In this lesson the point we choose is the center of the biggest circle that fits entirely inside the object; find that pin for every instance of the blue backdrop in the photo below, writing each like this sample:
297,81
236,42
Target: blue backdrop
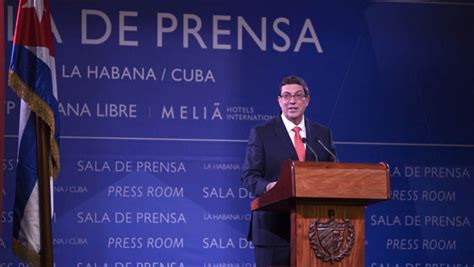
157,100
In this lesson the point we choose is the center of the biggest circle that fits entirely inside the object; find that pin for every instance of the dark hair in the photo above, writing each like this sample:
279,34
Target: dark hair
293,79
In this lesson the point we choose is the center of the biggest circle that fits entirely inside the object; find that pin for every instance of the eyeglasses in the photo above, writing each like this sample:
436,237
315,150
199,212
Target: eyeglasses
298,96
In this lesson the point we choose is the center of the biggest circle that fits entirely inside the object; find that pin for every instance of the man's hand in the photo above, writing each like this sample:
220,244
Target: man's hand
270,186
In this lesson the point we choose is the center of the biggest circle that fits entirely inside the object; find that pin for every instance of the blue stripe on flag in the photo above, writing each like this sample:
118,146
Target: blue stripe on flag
37,75
26,175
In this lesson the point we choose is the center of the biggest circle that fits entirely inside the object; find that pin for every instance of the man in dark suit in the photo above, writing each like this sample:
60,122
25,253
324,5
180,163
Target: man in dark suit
269,145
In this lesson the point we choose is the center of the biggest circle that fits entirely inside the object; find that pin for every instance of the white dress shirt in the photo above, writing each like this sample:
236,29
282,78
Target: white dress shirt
289,128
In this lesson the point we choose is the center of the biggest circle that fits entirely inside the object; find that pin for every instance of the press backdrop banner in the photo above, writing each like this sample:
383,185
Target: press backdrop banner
158,97
2,97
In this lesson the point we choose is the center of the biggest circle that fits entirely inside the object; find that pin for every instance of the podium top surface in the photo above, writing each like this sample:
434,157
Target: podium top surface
328,182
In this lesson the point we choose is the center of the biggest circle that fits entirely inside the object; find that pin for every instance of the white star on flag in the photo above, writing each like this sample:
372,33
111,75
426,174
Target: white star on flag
38,5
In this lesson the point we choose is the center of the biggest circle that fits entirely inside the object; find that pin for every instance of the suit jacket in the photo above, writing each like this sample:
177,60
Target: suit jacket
268,146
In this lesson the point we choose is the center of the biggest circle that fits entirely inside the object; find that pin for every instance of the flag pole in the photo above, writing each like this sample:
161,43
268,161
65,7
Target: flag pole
44,192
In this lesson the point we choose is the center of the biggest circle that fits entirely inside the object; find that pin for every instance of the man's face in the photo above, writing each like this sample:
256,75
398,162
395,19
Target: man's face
293,102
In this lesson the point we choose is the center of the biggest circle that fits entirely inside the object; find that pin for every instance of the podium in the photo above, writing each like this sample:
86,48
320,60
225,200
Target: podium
327,203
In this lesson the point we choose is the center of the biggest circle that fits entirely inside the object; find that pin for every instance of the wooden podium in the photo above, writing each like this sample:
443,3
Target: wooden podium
326,201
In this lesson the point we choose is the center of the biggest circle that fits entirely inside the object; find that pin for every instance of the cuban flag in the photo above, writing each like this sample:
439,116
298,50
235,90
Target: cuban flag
32,76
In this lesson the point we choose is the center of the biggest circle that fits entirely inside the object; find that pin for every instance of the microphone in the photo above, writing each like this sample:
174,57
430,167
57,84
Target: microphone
310,148
327,149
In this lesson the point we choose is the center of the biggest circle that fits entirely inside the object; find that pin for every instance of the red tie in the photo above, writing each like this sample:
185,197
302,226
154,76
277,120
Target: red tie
299,146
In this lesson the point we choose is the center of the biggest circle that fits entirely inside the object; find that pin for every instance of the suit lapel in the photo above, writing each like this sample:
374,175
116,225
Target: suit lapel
311,138
285,140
